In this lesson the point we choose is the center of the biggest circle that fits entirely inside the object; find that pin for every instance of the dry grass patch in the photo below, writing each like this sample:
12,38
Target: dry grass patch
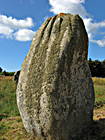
99,87
12,129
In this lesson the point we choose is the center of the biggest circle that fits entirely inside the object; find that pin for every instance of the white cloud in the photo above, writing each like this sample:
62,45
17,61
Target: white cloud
77,7
77,1
93,27
24,35
5,30
99,42
68,6
15,23
16,28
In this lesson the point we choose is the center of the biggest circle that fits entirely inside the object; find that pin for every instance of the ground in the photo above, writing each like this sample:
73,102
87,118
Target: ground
11,127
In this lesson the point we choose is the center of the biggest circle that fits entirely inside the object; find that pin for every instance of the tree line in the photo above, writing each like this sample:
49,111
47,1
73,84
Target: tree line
5,73
97,69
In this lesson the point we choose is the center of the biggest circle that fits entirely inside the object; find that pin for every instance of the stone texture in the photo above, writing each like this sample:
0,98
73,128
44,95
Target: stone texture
55,94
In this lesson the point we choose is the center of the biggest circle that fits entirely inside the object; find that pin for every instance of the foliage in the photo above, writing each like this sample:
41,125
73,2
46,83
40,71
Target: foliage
97,68
0,69
10,73
7,73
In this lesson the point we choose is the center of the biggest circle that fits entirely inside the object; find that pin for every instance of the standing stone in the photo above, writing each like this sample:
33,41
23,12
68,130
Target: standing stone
55,94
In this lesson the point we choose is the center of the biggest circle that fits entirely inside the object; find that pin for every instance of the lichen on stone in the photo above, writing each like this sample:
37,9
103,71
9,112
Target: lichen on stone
55,94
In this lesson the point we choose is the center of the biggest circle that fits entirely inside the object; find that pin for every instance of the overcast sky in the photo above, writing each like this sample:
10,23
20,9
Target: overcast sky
20,19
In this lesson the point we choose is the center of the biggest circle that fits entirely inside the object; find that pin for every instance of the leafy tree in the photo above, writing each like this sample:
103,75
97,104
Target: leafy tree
97,68
1,69
4,73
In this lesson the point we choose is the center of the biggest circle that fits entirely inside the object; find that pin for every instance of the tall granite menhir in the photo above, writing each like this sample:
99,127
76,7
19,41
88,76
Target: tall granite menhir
55,94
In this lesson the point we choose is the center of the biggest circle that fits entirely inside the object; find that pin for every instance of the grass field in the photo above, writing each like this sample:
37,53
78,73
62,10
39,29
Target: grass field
8,105
99,87
11,127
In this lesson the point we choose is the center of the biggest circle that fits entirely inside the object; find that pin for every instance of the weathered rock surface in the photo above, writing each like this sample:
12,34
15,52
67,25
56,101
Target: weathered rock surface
55,92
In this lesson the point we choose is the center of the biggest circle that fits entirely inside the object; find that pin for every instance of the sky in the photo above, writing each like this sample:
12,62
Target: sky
20,19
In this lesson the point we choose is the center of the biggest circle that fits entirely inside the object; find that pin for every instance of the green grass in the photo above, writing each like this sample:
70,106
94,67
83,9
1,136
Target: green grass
11,127
99,87
8,104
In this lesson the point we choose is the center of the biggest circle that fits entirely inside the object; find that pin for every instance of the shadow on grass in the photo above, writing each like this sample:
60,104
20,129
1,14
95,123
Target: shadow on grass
96,131
12,129
99,129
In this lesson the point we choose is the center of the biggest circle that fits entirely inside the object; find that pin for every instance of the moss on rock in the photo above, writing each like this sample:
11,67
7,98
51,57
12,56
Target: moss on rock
55,92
